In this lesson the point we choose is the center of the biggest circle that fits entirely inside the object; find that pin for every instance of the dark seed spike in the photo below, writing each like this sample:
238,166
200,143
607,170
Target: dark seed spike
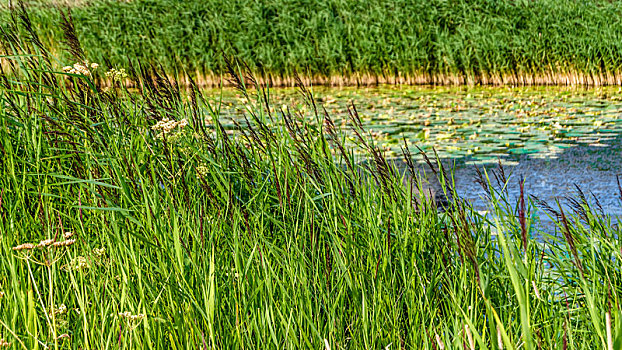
354,117
70,36
33,36
331,130
290,125
501,171
253,133
443,171
570,239
277,184
408,158
578,208
234,77
249,76
598,205
498,179
545,206
265,93
307,95
427,160
482,181
357,126
522,214
582,196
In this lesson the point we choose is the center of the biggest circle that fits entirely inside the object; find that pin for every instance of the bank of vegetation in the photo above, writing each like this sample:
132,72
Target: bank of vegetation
355,42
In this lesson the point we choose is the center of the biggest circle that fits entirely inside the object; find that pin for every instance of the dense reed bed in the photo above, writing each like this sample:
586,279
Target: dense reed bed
135,220
356,42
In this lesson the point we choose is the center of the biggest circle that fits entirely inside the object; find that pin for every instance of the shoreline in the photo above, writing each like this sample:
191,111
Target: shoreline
367,80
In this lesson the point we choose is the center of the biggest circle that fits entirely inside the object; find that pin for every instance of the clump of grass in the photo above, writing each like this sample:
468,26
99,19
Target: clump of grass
272,234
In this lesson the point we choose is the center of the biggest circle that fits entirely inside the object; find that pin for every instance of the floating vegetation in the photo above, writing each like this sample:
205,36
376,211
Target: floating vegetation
481,123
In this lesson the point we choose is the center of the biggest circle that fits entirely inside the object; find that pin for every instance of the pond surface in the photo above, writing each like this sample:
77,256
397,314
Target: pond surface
554,137
481,122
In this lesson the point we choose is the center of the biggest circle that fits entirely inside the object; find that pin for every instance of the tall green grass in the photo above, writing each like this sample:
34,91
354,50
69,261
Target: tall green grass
273,235
544,41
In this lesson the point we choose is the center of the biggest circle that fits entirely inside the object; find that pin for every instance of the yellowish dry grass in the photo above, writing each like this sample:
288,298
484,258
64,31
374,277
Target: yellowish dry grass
365,79
562,79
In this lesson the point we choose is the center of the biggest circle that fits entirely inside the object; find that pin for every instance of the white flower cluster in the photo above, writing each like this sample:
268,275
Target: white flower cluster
128,315
78,263
167,126
99,251
83,68
58,310
116,74
202,171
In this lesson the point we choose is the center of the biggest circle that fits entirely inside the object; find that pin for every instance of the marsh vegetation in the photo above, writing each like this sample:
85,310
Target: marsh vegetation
135,219
343,42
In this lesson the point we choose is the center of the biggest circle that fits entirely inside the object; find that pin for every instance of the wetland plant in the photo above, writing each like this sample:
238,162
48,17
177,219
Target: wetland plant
139,219
334,42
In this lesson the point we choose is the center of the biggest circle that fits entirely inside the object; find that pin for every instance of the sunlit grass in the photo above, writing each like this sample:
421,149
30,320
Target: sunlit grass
152,226
350,42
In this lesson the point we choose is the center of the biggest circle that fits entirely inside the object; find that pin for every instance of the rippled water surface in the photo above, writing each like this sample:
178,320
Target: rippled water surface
556,137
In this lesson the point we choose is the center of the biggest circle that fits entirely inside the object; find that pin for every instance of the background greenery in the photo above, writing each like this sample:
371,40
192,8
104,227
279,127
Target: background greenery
475,38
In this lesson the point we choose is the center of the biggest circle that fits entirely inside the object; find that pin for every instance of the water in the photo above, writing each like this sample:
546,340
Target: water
554,137
589,168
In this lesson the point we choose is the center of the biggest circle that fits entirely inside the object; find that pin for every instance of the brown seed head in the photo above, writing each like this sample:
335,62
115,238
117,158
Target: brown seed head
25,246
65,243
45,243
